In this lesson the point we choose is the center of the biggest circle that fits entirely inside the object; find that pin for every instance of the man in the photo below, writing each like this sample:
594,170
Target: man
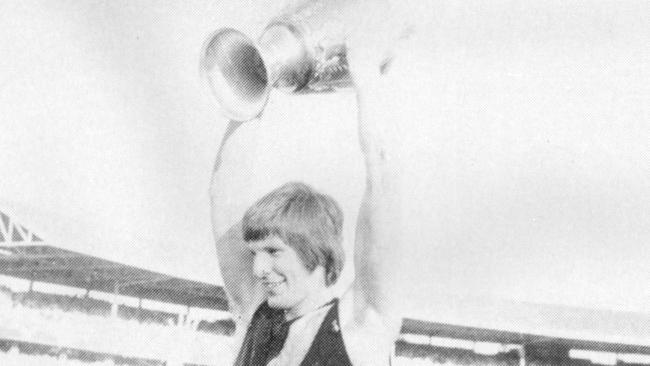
280,260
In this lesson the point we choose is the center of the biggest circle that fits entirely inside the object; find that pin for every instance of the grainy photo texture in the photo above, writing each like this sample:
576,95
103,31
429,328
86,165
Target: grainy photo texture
324,182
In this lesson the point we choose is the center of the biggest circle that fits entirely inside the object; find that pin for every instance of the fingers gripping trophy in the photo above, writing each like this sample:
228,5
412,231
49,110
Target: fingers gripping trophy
281,256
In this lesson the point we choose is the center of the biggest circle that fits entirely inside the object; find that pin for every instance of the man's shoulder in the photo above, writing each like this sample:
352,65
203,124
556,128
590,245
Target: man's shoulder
368,336
366,346
355,314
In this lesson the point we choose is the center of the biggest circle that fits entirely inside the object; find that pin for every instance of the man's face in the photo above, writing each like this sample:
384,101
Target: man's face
287,282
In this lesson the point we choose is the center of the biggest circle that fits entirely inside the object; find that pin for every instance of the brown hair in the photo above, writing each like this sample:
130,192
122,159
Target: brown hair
308,221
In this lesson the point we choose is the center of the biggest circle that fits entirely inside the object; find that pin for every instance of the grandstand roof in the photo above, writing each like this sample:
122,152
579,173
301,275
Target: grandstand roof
55,265
540,338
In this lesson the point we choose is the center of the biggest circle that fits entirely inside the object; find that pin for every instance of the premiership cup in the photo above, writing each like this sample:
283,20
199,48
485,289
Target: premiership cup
301,50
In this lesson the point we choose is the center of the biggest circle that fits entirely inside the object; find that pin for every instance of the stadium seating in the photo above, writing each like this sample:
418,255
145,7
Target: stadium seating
61,325
81,323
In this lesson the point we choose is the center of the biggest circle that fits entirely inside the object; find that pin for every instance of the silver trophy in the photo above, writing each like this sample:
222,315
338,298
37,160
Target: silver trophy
302,50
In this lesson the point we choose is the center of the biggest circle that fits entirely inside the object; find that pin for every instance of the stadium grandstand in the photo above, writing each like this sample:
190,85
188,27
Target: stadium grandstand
60,308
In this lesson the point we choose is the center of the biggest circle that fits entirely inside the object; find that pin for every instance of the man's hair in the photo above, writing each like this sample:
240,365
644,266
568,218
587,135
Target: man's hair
308,221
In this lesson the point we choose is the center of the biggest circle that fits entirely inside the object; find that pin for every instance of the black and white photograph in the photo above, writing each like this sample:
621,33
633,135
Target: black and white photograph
324,183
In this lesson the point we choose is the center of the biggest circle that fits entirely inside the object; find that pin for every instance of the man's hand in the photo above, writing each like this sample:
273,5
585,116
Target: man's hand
372,39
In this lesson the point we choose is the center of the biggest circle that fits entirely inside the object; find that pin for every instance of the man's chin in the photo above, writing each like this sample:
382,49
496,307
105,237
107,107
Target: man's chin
277,303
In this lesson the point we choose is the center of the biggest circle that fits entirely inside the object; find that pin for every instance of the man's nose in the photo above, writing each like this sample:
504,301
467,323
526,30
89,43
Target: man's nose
261,265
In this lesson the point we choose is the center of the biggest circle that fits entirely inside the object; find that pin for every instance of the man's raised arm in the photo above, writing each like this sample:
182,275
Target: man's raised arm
230,178
379,244
378,238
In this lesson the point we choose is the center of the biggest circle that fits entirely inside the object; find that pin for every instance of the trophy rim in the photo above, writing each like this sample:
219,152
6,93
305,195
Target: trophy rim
237,101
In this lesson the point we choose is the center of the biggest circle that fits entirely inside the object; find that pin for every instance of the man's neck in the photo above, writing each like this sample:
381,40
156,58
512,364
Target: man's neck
309,304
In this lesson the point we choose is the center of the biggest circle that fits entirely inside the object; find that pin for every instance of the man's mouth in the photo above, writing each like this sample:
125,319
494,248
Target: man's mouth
272,285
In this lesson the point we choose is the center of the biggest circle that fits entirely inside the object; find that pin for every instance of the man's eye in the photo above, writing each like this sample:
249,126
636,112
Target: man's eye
272,251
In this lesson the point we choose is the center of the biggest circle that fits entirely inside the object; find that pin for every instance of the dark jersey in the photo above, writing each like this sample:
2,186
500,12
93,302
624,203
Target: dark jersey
267,332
